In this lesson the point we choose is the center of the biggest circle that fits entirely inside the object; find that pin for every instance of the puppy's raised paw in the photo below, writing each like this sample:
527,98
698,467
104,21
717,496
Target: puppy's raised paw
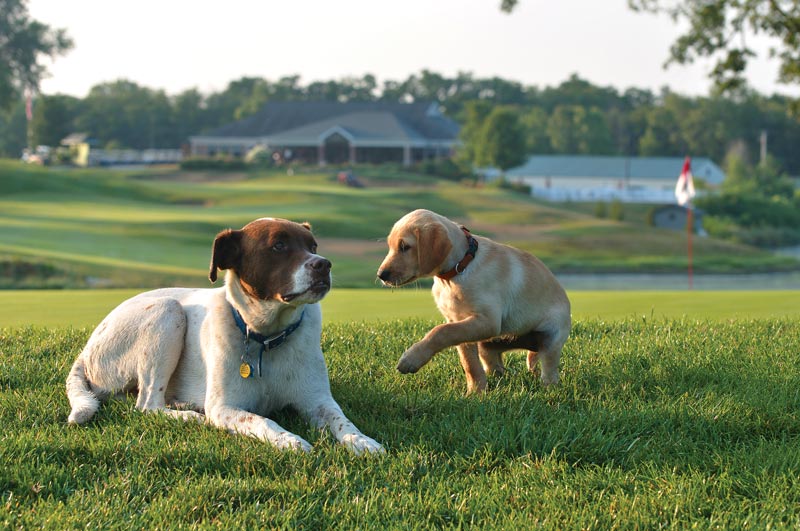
413,359
406,366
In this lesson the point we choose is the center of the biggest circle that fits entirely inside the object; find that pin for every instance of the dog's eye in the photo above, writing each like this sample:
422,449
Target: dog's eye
403,247
278,246
314,249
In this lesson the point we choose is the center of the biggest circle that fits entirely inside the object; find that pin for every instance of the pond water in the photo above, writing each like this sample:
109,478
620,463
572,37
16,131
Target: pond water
755,281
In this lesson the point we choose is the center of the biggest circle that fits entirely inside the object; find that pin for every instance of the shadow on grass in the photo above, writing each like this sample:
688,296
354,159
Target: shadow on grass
673,395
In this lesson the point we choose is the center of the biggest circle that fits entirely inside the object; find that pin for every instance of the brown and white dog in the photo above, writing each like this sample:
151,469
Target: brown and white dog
228,355
494,297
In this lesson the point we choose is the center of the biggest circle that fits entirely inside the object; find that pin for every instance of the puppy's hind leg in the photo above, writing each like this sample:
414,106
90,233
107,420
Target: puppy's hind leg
533,361
548,356
491,355
473,369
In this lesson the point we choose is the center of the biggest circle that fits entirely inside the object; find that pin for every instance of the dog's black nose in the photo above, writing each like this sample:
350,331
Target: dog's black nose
320,264
384,274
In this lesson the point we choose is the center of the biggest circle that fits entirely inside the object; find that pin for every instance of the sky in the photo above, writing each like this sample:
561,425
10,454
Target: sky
175,45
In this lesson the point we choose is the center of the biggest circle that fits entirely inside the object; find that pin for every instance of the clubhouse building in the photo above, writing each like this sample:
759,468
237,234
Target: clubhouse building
337,133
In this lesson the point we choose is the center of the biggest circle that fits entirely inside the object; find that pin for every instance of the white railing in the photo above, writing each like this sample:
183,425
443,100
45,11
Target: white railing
585,195
107,157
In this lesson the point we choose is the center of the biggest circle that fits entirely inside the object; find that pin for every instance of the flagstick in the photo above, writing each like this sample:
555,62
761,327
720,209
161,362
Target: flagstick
689,224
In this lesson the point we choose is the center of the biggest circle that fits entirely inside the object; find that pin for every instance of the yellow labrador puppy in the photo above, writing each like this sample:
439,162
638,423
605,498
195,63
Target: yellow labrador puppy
495,298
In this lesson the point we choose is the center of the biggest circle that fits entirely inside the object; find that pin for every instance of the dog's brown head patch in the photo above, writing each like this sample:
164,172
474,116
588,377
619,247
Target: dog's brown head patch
273,259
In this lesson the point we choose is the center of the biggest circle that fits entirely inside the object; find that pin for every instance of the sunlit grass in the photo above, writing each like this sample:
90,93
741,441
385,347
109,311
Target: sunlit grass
81,308
658,423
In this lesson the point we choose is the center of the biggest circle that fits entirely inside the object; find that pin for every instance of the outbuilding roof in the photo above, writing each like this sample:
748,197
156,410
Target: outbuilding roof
616,167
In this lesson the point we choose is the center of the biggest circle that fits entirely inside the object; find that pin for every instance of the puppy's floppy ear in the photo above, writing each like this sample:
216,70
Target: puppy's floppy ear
306,224
226,252
433,246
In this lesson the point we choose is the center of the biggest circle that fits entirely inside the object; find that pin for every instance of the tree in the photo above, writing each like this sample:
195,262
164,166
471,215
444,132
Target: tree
574,129
347,89
475,113
718,29
508,5
492,136
124,114
502,140
188,114
561,128
577,91
664,131
594,134
663,134
260,92
13,131
534,122
221,107
22,42
766,179
54,119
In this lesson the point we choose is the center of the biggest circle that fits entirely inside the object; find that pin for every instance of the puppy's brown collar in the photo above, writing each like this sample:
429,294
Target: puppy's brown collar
462,265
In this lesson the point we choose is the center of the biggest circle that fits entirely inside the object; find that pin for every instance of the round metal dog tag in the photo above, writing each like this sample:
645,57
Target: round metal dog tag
245,371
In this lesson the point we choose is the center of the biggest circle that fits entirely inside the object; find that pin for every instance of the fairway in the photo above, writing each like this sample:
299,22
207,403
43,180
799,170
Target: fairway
70,228
86,308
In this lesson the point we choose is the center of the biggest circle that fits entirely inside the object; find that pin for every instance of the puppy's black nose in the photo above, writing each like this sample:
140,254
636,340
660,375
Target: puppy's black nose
320,264
384,274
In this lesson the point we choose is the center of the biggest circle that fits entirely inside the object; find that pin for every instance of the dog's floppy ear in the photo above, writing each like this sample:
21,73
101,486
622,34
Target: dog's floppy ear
226,252
433,246
306,224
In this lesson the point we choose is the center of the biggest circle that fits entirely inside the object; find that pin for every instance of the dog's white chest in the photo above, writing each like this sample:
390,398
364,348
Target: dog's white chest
451,300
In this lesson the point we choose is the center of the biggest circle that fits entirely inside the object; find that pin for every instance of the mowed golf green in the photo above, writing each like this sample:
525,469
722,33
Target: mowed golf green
86,308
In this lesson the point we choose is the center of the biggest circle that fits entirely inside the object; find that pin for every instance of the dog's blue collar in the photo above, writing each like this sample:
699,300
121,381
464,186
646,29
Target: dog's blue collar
267,343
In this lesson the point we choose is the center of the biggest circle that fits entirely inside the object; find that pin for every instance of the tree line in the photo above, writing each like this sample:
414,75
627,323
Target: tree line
575,117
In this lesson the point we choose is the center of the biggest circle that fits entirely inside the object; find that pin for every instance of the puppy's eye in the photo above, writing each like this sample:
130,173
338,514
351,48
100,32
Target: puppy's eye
279,246
403,247
314,249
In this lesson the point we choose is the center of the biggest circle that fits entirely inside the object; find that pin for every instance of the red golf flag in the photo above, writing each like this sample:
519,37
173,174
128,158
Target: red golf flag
684,189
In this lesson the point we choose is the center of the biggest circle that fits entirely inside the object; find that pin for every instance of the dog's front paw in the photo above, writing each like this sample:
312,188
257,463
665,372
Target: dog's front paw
290,441
406,366
412,360
360,444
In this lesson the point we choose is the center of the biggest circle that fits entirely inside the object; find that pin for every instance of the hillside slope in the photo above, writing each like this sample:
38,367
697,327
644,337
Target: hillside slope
72,228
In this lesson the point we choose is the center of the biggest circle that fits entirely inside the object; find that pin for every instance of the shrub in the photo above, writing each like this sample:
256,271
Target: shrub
724,227
752,219
518,187
443,168
650,217
600,210
216,164
616,211
752,210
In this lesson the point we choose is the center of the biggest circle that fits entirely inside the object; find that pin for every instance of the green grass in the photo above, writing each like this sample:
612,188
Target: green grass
658,423
155,228
80,308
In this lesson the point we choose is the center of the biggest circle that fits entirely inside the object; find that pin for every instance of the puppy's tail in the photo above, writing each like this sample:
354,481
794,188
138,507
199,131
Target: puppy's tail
84,403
